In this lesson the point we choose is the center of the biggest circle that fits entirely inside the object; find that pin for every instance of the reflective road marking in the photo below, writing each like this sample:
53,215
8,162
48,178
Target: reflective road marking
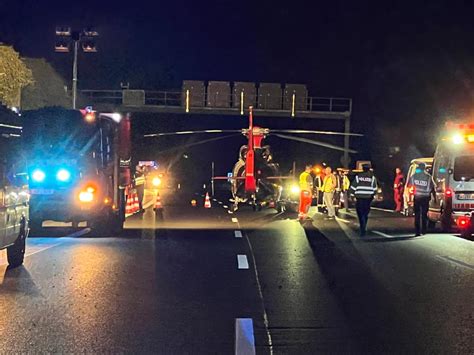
238,234
244,338
383,234
235,220
242,261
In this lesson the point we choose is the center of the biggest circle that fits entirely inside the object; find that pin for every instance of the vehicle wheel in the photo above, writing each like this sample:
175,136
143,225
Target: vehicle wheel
35,226
16,252
466,233
446,225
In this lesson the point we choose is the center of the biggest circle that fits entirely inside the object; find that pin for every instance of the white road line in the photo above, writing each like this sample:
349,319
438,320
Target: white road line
229,212
225,206
235,220
219,202
244,338
383,234
260,293
242,262
215,200
343,220
383,209
238,234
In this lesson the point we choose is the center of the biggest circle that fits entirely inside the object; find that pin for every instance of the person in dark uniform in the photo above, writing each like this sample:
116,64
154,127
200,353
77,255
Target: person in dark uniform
424,187
364,187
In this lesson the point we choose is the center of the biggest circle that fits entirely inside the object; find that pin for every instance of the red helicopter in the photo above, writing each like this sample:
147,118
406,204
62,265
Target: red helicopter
255,177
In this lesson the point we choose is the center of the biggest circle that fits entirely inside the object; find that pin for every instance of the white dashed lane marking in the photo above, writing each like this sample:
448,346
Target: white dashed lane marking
225,206
244,337
242,262
238,234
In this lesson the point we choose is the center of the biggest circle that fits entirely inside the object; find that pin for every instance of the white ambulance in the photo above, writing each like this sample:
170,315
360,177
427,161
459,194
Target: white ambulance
453,173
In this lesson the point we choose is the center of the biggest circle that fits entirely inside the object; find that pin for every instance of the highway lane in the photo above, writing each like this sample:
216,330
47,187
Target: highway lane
172,284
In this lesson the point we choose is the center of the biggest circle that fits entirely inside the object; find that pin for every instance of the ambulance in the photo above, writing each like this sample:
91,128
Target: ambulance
453,173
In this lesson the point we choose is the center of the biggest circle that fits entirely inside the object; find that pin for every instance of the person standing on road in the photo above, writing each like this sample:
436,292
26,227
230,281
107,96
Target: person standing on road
346,184
328,188
306,189
398,185
424,187
364,187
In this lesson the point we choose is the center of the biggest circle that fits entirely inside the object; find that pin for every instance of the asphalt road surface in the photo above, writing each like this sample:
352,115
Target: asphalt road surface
189,280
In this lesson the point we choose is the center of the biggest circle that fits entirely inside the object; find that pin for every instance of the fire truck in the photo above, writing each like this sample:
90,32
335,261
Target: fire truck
78,164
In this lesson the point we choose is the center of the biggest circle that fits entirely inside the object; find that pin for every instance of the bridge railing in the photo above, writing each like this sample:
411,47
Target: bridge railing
233,102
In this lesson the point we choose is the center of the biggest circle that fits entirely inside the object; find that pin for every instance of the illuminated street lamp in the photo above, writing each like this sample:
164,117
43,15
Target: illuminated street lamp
65,37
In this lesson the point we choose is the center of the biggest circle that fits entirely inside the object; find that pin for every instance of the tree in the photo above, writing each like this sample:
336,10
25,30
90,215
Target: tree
14,75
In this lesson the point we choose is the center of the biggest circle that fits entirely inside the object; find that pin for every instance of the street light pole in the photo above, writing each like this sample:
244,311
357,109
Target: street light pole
74,75
84,37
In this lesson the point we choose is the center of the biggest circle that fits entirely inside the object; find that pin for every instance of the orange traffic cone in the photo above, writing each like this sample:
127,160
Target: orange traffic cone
158,205
129,207
207,201
136,204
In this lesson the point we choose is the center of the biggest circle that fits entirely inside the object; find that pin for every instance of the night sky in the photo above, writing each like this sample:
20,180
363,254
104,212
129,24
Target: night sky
407,67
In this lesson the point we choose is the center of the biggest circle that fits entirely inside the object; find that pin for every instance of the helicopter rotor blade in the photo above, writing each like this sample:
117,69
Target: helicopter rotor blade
198,143
310,141
303,131
192,132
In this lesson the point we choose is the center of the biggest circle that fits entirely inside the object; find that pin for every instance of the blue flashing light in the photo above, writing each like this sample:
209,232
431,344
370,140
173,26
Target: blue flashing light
38,175
442,170
63,175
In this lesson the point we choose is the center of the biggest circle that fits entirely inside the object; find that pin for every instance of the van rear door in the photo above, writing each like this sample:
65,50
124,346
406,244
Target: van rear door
462,182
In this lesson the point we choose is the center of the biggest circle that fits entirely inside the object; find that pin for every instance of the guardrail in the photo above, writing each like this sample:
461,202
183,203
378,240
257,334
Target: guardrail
175,99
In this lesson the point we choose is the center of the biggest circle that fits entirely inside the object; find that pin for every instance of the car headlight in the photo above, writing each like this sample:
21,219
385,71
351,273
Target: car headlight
87,195
63,175
38,175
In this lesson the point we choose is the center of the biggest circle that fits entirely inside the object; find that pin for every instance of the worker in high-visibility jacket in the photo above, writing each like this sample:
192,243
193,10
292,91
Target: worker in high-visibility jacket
329,188
346,184
306,188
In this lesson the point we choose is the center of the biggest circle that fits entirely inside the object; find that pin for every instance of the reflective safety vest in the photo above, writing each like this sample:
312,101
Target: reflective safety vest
345,183
364,185
329,184
423,183
306,181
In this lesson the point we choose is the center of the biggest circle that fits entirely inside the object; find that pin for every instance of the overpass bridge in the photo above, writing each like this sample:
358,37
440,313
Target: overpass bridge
190,101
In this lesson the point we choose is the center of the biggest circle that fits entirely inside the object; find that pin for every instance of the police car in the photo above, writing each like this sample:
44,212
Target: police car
409,191
453,173
13,218
14,196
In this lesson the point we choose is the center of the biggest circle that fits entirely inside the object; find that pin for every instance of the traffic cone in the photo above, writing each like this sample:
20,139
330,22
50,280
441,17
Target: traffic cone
136,204
207,201
129,207
158,205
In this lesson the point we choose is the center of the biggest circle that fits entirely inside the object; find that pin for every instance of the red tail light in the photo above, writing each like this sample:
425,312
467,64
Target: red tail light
463,221
449,193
